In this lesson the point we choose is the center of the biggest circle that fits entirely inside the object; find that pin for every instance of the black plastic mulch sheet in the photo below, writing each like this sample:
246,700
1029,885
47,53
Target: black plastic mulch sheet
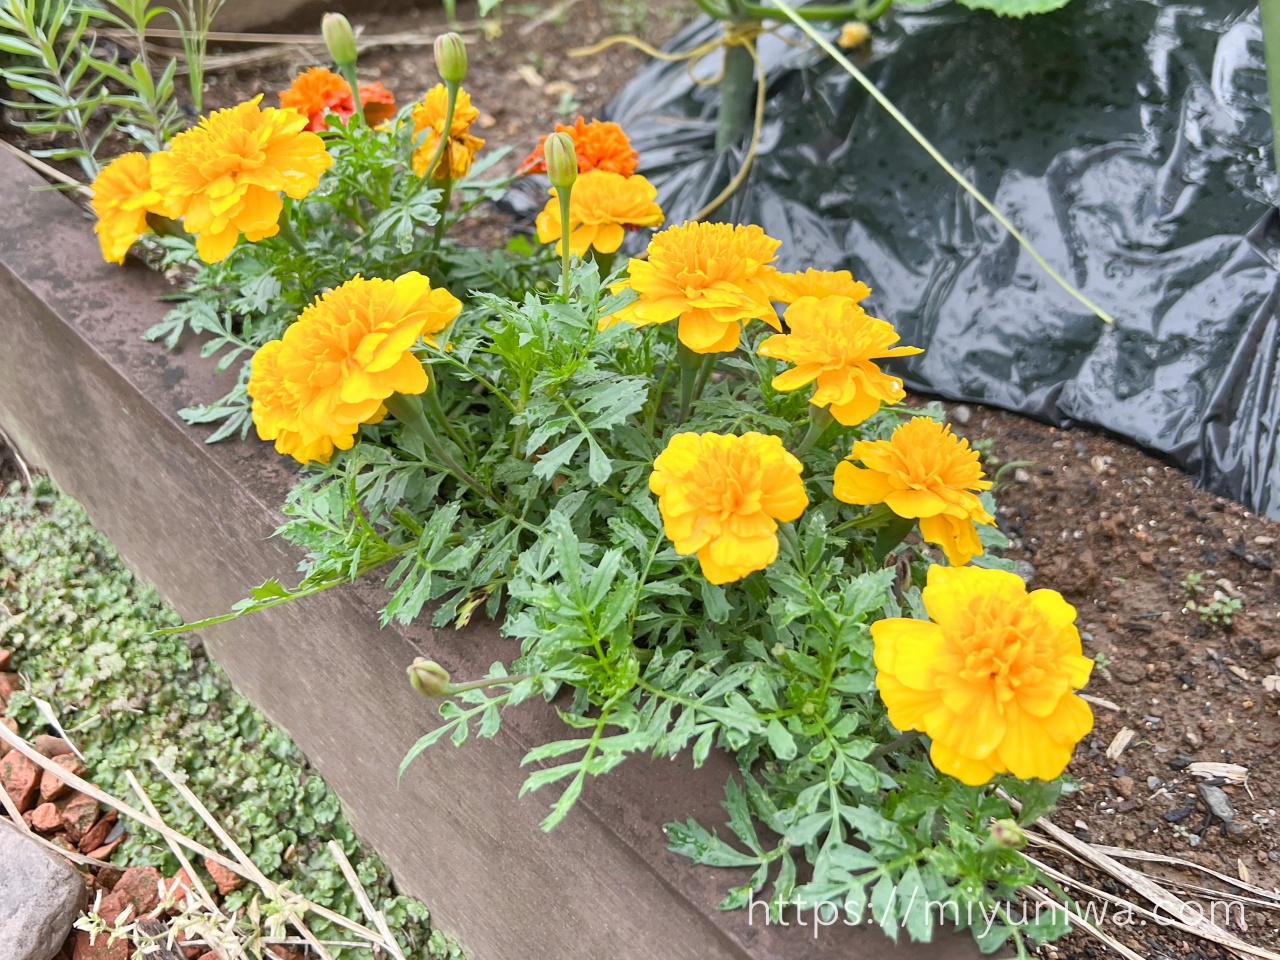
1129,140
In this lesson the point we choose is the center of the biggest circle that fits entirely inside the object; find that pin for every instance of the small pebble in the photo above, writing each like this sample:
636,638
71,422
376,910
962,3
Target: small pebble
960,414
1153,783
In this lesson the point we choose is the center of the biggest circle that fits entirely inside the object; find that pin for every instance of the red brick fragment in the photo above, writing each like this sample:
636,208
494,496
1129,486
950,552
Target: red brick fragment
104,852
81,950
79,813
46,818
21,779
51,747
224,879
96,835
52,788
138,888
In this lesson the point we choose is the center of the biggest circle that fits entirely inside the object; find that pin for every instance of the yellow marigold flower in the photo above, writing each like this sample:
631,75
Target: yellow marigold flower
713,277
601,206
277,409
346,353
990,678
224,177
922,471
122,195
462,146
722,498
834,342
790,287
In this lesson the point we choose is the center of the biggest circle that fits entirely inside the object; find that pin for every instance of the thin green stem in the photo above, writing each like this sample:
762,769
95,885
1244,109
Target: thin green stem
819,419
897,743
454,689
938,158
286,230
431,401
563,196
690,363
408,410
705,370
446,195
1271,48
446,135
349,75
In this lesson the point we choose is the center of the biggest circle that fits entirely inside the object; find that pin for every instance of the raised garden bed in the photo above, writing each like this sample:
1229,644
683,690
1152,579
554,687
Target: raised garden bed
85,398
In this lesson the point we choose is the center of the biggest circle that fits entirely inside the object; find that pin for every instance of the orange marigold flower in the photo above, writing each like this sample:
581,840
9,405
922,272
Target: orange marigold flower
378,102
320,91
347,352
712,277
224,177
923,471
834,342
722,497
790,287
990,678
122,196
601,205
428,116
600,145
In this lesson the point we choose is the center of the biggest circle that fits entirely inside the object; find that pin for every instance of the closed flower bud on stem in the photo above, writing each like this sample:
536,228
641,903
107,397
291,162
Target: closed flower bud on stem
562,161
451,58
340,39
1008,834
429,678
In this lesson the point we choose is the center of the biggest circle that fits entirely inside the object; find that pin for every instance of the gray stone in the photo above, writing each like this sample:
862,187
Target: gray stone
40,897
1218,802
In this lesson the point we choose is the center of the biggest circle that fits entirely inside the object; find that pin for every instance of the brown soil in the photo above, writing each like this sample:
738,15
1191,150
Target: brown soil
1118,533
520,73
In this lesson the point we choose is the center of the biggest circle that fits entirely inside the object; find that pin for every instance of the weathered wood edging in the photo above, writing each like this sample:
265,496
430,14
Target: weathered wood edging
94,405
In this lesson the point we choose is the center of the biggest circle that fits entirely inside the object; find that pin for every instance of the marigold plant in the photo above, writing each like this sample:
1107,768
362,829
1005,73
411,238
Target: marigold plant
224,177
989,678
428,123
122,197
602,207
722,498
320,91
711,277
923,471
347,353
599,144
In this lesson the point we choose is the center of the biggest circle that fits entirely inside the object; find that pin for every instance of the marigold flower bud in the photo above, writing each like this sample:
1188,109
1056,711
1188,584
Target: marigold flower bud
1008,834
562,161
429,678
340,39
451,58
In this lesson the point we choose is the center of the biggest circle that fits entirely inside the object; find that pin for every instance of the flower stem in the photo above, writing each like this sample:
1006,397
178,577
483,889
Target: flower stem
408,410
897,743
454,689
605,262
447,133
431,403
690,364
349,74
704,374
444,203
563,196
819,419
286,229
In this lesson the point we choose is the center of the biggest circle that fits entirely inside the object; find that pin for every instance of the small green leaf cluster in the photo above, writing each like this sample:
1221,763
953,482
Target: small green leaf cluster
84,636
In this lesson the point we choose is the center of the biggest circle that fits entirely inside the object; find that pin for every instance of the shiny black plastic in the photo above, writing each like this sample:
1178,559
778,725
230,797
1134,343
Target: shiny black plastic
1129,140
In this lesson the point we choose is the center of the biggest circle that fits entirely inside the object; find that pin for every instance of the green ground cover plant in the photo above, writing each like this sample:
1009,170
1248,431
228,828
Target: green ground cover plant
83,633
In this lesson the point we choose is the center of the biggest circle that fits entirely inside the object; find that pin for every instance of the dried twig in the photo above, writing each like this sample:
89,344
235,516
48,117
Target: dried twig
375,916
4,437
53,174
1084,925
